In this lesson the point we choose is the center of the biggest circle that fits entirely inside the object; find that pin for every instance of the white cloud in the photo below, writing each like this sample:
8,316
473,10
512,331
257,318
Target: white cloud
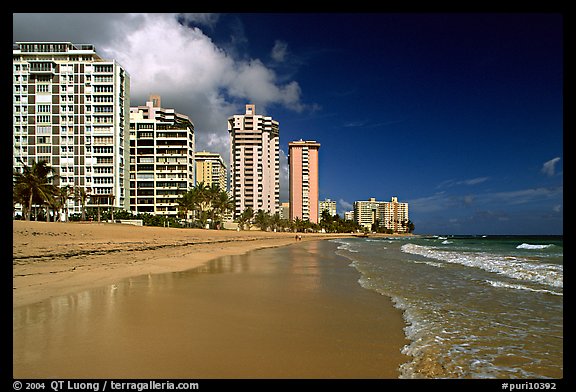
171,55
255,82
523,196
433,203
471,181
549,167
468,199
206,19
284,177
442,201
345,206
192,74
279,51
475,181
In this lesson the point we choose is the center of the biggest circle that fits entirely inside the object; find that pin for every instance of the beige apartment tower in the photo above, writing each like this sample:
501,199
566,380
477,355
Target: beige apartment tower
210,169
71,109
303,162
254,162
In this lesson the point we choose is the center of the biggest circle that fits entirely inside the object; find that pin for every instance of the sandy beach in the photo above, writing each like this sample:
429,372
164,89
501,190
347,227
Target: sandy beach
51,259
117,301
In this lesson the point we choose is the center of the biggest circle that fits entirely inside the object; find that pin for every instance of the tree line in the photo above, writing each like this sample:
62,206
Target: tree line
205,206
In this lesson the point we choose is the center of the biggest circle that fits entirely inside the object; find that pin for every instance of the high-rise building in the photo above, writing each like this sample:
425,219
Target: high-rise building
391,215
210,169
326,205
254,162
349,215
303,162
161,158
71,109
285,210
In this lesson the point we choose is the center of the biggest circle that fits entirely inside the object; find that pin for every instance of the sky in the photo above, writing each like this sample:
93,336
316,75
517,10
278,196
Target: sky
458,114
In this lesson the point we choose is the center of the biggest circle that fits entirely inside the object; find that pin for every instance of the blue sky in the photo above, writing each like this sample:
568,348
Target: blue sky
460,115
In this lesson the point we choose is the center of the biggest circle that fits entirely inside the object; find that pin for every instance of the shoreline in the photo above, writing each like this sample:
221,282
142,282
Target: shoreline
50,259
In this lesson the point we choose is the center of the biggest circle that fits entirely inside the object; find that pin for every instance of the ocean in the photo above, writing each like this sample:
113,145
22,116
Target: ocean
474,306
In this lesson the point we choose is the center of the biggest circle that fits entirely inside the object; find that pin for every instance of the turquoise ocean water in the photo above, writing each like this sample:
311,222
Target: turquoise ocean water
474,306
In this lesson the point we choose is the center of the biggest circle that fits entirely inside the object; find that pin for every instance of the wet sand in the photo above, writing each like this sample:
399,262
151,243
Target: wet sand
52,259
295,311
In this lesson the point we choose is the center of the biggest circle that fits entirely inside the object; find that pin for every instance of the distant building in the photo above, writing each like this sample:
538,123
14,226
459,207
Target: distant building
210,169
254,162
161,158
326,205
391,215
349,215
303,162
285,211
71,110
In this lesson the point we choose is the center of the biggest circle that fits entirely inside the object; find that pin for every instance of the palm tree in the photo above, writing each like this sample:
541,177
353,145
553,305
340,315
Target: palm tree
55,202
222,204
197,200
205,201
200,202
35,181
262,220
185,203
65,193
81,195
410,226
275,221
20,195
298,225
202,199
245,218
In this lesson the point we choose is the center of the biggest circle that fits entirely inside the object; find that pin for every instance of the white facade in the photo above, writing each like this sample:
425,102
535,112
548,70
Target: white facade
326,205
254,162
71,109
391,215
161,158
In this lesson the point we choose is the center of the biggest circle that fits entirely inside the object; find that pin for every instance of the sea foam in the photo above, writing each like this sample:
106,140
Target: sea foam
542,273
530,246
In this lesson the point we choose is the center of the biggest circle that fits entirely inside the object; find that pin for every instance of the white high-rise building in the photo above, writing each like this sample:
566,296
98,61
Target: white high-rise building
326,205
391,214
161,158
254,162
71,109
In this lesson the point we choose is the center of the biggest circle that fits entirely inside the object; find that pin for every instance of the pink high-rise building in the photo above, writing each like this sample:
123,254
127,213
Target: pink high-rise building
303,161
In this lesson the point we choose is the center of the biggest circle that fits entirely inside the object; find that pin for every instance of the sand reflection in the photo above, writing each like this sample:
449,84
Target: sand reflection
275,313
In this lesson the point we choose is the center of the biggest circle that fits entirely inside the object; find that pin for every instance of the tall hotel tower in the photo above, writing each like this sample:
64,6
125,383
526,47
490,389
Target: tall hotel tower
71,109
303,162
161,158
254,162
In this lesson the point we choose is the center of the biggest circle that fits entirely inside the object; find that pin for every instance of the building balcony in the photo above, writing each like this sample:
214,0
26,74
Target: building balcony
42,67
